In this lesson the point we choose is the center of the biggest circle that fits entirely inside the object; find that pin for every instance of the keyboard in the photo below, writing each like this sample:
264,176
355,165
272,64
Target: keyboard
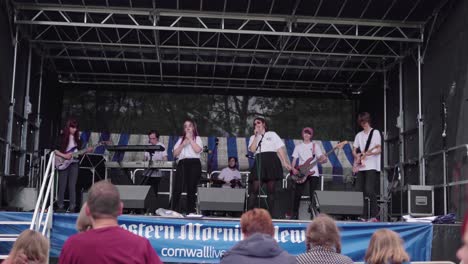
157,164
135,148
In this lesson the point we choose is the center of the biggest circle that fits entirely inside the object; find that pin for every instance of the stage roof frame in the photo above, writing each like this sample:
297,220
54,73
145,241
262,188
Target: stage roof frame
328,47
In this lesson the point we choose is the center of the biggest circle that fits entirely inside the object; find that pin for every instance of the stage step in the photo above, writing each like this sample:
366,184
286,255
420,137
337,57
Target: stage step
11,237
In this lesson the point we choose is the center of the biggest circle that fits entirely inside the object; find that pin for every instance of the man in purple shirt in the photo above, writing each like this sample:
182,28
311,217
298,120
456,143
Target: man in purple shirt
106,242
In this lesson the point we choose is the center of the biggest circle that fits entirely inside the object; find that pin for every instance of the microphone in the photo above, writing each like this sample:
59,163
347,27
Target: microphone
249,156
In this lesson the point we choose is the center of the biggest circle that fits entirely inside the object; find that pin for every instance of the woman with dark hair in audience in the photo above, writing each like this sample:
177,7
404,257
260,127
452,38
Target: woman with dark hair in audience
259,245
31,247
323,243
187,150
386,247
270,157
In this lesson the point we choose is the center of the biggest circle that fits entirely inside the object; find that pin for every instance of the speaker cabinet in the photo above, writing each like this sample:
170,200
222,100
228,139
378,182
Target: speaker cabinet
221,199
133,196
340,203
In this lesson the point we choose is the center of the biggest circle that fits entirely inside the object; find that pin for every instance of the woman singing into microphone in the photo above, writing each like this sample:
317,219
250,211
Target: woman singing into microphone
269,155
187,150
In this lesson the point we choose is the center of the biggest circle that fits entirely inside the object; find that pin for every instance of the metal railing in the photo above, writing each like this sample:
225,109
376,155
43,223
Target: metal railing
446,183
45,199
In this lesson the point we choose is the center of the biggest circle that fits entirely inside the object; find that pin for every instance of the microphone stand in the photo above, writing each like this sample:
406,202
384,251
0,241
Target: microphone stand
258,162
148,171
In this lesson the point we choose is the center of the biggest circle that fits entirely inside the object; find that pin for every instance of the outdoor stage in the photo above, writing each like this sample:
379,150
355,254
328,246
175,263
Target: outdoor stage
203,240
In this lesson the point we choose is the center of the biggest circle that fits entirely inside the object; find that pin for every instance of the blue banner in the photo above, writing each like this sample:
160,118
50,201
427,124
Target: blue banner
200,240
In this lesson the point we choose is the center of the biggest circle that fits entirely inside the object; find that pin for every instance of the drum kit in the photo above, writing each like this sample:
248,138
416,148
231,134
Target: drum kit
235,183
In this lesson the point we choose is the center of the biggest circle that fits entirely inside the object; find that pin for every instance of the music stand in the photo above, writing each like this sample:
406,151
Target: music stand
91,161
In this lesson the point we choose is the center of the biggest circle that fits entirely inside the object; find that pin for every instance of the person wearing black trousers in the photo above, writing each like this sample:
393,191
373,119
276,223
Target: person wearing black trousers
67,143
366,148
303,152
153,176
187,150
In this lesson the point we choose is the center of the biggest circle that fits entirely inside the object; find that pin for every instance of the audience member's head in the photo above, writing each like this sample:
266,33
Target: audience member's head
257,220
386,246
83,222
323,231
462,252
103,201
30,247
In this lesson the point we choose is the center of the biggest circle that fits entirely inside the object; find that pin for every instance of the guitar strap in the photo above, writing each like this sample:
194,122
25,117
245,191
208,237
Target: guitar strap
369,140
313,149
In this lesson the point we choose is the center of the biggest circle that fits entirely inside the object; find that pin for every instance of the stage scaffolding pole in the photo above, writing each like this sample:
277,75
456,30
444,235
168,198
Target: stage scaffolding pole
11,109
38,117
401,122
25,121
383,175
422,160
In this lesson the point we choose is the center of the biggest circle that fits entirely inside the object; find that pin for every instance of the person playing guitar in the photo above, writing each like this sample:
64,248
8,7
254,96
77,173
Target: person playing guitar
68,143
366,152
303,152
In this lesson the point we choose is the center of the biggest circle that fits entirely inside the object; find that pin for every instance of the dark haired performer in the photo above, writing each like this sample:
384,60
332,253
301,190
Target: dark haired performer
187,150
270,157
153,176
368,180
68,142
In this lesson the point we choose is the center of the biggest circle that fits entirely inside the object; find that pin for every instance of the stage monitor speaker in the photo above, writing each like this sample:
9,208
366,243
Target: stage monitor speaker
340,203
221,199
133,196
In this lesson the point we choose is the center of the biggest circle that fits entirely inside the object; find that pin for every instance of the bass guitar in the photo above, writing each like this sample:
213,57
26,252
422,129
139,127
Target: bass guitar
303,171
359,162
61,163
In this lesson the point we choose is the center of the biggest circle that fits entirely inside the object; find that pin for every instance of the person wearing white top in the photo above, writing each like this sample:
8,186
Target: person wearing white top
153,176
367,180
270,157
230,174
302,152
187,150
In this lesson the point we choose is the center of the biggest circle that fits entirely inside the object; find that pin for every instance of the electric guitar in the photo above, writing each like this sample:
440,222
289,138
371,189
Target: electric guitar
303,171
62,163
359,162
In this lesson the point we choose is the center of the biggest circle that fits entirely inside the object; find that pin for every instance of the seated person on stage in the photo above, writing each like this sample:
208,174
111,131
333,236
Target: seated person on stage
230,175
106,242
259,246
153,176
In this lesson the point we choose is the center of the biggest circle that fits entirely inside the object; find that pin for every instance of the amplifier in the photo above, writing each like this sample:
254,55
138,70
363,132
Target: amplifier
340,203
221,199
415,200
133,196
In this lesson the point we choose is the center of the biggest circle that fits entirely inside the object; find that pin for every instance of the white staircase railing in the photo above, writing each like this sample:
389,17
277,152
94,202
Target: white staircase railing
46,197
44,200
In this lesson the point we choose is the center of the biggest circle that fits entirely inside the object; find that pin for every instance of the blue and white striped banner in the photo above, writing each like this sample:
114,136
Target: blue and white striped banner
340,162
